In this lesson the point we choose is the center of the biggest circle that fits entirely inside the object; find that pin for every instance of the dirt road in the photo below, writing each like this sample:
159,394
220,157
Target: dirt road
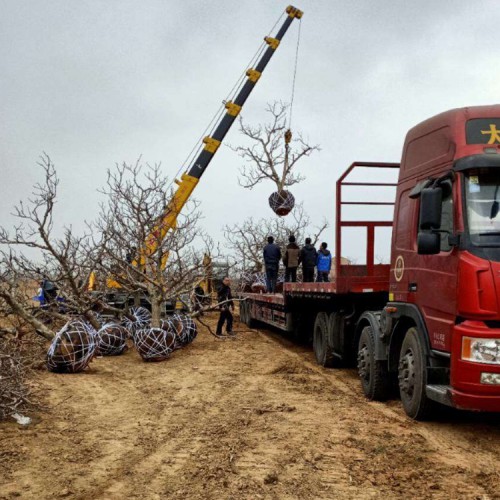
243,418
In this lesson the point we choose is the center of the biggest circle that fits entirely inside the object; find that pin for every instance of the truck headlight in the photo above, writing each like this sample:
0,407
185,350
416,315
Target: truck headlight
490,378
481,350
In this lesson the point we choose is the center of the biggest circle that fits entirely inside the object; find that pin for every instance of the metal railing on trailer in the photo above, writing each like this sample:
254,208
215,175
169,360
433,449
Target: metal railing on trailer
349,277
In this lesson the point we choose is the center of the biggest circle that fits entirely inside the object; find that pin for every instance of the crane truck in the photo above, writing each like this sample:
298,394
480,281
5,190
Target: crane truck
189,179
428,322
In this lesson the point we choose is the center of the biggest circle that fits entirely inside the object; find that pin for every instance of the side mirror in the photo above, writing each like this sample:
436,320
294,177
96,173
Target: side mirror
428,243
430,208
447,186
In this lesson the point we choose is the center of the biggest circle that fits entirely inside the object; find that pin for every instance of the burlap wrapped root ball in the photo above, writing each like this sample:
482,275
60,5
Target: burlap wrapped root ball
140,318
112,339
73,348
183,327
154,344
282,202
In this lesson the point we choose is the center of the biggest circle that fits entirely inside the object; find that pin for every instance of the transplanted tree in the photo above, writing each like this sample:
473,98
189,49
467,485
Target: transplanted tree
37,248
272,154
139,259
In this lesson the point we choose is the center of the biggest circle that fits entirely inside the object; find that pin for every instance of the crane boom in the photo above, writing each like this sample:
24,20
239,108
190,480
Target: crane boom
190,179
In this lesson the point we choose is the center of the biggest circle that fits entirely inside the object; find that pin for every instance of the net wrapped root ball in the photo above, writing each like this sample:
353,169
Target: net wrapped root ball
154,344
72,349
282,202
112,339
140,318
183,327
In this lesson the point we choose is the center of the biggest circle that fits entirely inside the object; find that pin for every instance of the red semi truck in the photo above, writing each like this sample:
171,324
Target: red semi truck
430,321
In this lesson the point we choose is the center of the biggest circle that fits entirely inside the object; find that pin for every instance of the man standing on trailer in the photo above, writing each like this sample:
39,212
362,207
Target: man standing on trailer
291,260
308,257
272,257
324,264
225,300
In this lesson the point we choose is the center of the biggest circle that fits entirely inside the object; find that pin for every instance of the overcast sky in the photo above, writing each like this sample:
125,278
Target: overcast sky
93,83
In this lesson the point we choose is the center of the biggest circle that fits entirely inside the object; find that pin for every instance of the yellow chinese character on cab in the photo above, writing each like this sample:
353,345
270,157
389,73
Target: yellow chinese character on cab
495,134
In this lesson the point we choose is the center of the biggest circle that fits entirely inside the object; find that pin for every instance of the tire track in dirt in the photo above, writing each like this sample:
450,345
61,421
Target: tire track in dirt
468,442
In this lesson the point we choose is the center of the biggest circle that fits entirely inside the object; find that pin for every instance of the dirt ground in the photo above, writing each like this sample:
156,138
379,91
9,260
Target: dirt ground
250,417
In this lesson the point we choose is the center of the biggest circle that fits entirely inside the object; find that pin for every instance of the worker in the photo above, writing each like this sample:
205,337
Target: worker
308,257
291,260
324,263
225,301
272,257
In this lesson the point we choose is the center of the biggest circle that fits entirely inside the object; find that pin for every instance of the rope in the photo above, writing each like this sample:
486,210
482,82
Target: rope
294,75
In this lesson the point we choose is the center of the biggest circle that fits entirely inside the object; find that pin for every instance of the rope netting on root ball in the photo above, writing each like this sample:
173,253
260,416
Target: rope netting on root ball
253,282
154,344
282,202
112,339
141,318
184,328
72,348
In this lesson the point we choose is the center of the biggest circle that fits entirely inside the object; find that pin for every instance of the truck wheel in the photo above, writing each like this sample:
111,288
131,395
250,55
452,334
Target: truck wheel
322,347
373,374
336,338
412,376
249,321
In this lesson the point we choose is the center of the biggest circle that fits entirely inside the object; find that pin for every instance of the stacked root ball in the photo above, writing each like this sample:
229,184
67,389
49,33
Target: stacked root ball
74,346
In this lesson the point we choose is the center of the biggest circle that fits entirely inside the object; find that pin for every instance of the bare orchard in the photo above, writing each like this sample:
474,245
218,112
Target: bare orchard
244,417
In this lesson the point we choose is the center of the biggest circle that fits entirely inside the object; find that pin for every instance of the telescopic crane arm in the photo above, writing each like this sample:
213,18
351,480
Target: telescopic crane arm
190,179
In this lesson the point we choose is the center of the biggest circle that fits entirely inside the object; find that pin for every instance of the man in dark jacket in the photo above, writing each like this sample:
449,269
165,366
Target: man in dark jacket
272,257
308,257
225,300
291,259
324,263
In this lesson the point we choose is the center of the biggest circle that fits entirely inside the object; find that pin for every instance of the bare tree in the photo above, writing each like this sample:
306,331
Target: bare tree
247,239
32,250
137,254
269,155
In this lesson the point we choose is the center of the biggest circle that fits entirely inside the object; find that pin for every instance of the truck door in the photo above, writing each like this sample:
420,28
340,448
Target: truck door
428,281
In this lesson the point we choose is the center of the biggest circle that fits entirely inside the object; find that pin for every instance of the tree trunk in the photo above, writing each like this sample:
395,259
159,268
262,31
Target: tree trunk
137,299
156,306
29,318
90,317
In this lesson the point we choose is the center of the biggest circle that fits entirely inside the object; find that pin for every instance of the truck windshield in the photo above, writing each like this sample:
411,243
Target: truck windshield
482,195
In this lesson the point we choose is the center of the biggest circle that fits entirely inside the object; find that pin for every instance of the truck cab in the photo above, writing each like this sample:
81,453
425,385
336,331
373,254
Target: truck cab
441,326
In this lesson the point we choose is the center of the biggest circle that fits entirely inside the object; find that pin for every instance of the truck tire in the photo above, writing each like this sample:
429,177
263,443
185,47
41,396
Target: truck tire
372,373
321,343
412,377
249,321
336,338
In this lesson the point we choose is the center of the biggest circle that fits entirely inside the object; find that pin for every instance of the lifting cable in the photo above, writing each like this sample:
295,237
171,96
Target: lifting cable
288,132
294,75
221,110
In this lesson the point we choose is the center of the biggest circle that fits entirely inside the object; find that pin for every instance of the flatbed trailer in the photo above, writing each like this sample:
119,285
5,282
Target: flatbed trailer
329,311
429,322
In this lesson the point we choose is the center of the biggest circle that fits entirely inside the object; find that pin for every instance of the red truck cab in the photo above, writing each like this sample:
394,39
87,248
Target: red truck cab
441,325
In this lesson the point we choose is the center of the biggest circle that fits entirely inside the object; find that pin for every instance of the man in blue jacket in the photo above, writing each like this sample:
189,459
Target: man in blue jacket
324,263
272,257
